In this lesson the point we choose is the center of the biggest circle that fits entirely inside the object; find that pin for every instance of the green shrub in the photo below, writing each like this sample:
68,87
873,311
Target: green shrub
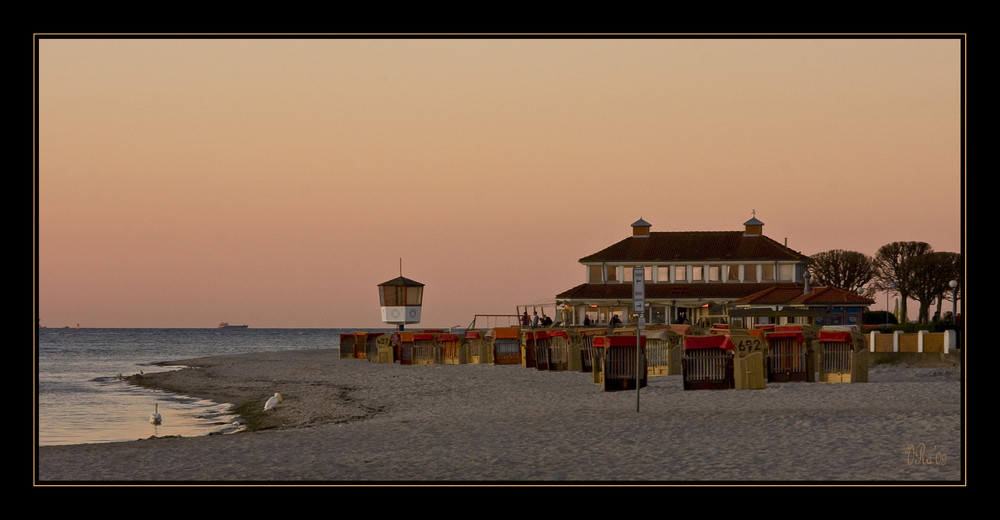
879,317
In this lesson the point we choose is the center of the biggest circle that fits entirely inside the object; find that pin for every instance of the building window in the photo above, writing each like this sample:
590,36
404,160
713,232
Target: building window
647,274
697,273
714,273
393,296
750,273
612,273
734,272
680,273
594,274
662,274
786,272
767,273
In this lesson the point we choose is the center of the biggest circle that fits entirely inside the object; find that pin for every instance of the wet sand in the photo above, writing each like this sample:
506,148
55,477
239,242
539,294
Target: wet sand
350,421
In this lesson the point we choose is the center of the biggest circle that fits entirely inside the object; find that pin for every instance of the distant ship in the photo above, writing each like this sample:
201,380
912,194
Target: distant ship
225,325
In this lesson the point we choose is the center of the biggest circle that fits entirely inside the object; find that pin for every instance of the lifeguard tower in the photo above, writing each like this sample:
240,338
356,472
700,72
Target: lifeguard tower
400,299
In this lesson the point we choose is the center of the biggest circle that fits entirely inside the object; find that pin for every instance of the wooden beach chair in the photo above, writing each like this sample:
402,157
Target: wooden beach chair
708,363
589,354
371,346
541,350
787,355
360,345
749,371
449,345
425,351
507,346
474,342
663,352
405,348
386,353
842,356
619,363
346,346
528,359
559,348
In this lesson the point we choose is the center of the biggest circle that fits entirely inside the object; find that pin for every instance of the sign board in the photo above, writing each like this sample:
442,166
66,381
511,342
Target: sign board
638,289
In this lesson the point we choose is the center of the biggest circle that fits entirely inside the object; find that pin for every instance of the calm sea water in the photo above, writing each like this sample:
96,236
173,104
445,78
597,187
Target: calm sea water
81,399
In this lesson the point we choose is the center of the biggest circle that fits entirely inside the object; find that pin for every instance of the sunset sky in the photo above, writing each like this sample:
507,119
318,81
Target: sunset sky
276,182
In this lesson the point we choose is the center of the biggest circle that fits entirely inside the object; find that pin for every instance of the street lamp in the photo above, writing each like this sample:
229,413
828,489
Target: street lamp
954,301
861,292
894,286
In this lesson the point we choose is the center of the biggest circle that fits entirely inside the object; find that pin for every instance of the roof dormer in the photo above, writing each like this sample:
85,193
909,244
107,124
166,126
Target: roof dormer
640,228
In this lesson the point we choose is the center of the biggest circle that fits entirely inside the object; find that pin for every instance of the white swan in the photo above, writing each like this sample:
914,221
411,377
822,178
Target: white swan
275,400
154,417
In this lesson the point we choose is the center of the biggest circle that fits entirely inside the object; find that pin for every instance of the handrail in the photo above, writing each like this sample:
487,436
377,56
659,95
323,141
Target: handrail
516,320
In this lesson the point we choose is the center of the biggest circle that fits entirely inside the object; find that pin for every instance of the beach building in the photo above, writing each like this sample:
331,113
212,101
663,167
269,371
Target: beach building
821,306
689,277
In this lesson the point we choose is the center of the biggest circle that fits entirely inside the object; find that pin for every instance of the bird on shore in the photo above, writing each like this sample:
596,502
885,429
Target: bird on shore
275,400
154,417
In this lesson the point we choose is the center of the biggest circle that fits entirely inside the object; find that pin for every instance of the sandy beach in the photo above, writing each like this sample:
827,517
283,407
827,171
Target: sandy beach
350,421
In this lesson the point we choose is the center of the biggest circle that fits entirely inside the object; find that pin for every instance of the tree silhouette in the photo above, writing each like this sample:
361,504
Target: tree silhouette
894,274
846,270
929,275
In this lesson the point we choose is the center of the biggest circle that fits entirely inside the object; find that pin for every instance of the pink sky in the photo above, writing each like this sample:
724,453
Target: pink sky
184,182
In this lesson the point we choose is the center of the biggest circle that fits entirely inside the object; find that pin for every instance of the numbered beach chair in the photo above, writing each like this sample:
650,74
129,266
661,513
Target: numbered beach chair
386,352
749,372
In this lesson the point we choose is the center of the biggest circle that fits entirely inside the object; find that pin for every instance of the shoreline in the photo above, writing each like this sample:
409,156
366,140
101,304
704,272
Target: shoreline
351,421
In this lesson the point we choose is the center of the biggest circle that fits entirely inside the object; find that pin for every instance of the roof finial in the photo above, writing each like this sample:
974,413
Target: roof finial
753,213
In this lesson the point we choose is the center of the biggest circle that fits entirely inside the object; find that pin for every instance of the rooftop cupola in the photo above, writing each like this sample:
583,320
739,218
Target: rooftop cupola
754,227
640,228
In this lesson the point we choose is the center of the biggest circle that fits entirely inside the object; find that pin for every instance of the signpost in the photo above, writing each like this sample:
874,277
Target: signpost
639,306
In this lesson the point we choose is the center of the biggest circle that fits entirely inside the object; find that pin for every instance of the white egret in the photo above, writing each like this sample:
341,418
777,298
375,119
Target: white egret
273,401
155,418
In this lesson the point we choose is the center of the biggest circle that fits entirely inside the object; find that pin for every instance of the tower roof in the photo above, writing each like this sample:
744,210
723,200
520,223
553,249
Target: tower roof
405,282
641,223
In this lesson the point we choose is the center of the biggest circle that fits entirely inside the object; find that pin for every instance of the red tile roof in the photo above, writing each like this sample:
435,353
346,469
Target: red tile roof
683,246
788,294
